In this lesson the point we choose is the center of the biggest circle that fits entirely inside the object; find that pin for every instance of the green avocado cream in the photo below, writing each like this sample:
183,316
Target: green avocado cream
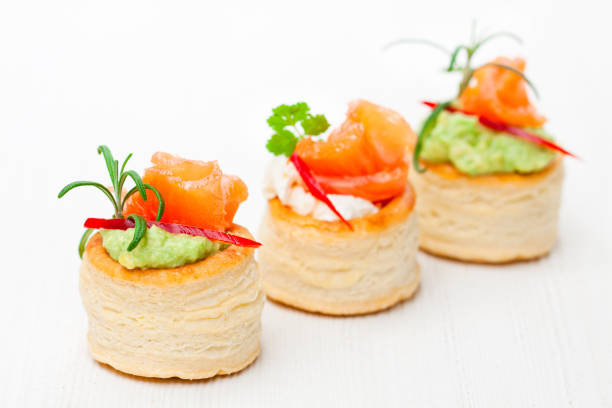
475,150
158,248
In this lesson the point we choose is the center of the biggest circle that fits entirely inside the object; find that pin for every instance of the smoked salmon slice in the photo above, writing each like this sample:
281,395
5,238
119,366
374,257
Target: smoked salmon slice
374,187
501,95
366,156
195,192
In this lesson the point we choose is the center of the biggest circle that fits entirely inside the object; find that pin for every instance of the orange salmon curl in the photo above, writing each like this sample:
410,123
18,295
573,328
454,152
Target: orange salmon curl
366,156
501,95
196,193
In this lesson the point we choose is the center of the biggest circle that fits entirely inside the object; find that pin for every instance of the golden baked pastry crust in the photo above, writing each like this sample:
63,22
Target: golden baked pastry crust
397,209
449,172
496,218
322,266
207,267
136,368
191,322
355,308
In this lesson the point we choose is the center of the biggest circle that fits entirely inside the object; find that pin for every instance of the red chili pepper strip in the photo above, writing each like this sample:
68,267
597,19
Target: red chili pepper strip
448,108
518,132
513,130
314,187
123,224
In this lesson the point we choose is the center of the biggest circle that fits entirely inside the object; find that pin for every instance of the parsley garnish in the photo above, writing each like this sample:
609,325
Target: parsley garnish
291,123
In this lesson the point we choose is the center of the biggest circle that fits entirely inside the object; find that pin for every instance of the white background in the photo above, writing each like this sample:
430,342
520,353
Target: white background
199,80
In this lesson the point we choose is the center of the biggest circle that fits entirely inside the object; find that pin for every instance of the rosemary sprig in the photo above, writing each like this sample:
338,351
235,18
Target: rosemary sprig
99,186
161,205
423,41
469,50
140,227
467,71
118,179
517,72
83,241
425,129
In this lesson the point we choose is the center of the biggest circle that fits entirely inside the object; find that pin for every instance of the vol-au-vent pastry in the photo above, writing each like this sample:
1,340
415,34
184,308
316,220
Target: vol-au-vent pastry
487,174
170,283
339,234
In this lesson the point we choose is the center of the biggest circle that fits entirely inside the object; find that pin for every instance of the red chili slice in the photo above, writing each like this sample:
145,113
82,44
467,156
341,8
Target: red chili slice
513,130
123,224
314,187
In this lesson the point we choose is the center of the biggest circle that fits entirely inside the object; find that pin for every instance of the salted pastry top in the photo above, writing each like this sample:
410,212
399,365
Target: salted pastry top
207,268
391,213
449,172
281,180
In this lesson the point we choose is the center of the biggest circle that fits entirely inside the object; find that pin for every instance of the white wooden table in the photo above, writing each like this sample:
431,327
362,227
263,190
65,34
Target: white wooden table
199,81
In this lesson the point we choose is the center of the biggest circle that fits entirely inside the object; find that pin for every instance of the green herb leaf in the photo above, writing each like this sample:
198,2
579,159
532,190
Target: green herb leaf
125,162
140,227
99,186
291,123
288,115
110,164
118,179
137,181
161,205
282,142
423,41
427,127
277,122
84,240
315,125
474,45
454,55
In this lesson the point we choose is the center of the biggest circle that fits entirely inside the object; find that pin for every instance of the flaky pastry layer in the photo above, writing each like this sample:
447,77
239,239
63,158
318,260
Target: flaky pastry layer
492,219
324,267
192,322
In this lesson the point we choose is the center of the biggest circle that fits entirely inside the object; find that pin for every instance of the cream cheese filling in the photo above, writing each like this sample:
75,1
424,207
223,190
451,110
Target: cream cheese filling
281,180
